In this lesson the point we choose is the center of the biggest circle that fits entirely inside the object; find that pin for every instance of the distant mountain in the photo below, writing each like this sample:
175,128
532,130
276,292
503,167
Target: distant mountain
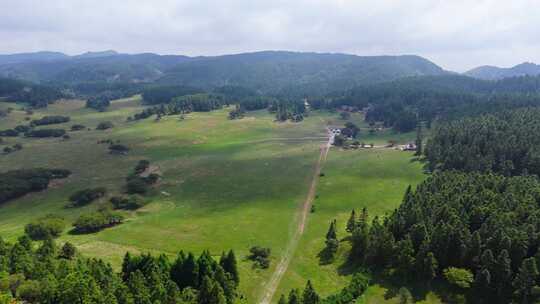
97,54
494,73
297,73
275,72
107,66
32,57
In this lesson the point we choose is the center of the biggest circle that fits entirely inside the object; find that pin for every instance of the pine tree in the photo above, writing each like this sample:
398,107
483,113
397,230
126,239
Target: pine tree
294,297
430,267
230,266
205,291
526,279
503,274
418,141
310,296
138,288
351,223
332,243
282,299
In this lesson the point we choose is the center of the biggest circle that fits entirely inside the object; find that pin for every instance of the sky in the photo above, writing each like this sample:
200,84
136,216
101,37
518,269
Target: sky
457,35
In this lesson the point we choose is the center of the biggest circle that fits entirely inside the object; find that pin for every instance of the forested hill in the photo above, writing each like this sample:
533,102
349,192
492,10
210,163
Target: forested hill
270,72
493,73
297,73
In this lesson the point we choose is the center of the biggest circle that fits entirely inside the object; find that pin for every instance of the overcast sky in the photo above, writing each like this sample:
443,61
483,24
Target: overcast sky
457,35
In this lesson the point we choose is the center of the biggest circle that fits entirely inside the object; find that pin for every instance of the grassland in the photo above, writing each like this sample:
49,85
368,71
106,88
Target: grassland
226,184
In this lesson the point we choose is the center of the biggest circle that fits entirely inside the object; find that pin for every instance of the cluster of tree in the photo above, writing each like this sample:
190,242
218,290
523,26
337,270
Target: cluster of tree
350,130
165,94
96,221
99,102
485,225
128,202
49,120
43,133
349,294
77,127
47,273
118,149
14,184
139,184
11,149
288,110
104,125
504,142
49,226
86,196
402,103
34,95
260,256
237,113
15,131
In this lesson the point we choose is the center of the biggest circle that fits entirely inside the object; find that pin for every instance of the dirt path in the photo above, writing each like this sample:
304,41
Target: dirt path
301,219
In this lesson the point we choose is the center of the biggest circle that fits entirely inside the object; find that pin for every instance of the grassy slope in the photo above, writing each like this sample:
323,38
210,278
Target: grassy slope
227,184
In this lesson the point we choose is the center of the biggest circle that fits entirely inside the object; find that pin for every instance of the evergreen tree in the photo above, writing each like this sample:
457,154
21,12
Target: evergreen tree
294,297
137,286
526,280
282,299
351,223
332,243
418,141
230,266
310,296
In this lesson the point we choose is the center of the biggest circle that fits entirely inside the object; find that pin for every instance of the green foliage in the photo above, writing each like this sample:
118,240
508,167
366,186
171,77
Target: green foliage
462,278
104,125
96,221
165,94
49,226
260,256
130,202
17,183
86,196
50,120
504,143
42,133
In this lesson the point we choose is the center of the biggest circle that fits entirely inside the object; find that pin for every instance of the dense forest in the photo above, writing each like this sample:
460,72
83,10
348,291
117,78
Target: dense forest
46,273
505,142
478,232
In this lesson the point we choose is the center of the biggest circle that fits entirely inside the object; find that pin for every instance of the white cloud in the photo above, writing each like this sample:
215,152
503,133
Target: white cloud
455,34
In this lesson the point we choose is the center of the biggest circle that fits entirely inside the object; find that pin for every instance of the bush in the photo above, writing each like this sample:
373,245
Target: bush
77,127
9,133
118,149
142,166
17,183
47,227
260,255
41,133
68,251
49,120
137,185
104,125
22,128
96,221
86,196
131,202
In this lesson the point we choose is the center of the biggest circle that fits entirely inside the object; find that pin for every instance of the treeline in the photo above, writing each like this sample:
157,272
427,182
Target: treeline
46,273
506,142
14,184
402,103
37,96
478,232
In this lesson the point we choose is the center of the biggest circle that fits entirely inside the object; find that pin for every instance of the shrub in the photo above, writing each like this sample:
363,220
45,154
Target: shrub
49,120
137,185
459,277
118,149
22,128
86,196
17,183
77,127
131,202
260,255
46,227
142,166
9,133
104,125
68,251
96,221
45,133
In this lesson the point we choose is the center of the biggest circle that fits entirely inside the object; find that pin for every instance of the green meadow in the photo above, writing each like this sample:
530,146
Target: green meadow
226,185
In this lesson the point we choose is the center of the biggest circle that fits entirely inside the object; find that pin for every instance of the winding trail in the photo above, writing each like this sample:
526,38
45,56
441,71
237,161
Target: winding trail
301,219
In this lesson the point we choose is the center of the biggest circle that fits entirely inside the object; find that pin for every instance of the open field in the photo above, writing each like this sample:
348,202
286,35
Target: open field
226,184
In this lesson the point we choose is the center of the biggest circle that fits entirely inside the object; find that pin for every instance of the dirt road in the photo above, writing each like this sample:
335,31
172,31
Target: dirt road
300,220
